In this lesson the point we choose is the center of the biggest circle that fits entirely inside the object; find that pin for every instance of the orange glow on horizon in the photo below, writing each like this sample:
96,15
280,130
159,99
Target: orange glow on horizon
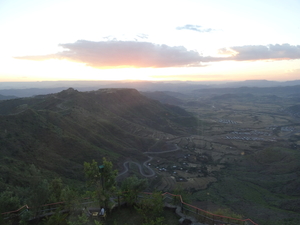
14,70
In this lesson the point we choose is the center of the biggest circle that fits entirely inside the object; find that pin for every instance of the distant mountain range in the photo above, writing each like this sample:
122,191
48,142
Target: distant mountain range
28,89
284,91
4,97
260,83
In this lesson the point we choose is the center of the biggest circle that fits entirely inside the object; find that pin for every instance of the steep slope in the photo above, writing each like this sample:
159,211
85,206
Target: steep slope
58,132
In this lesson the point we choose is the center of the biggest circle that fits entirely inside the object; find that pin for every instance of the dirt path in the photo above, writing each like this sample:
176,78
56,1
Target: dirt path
145,164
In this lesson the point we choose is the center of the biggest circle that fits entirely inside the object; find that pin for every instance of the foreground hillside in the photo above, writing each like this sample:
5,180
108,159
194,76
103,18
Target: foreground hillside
58,132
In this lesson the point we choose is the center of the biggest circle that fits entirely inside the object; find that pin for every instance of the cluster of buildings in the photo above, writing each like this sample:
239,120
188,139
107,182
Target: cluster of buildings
227,121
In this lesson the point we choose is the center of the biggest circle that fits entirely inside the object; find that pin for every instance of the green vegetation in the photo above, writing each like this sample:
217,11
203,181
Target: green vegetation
8,201
228,213
102,179
129,216
239,152
273,193
56,133
151,209
131,187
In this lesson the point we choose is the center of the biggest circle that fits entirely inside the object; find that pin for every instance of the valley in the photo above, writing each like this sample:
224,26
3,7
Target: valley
228,149
244,155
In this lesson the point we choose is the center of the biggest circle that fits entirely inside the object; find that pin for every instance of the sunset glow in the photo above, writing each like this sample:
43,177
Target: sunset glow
176,40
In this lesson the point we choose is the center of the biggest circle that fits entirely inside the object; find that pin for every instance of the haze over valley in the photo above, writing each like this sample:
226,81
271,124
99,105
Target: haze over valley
234,148
198,98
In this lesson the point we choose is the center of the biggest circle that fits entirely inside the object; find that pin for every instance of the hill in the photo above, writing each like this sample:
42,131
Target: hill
4,97
58,132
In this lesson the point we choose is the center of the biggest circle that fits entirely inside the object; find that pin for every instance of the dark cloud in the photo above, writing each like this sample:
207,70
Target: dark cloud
262,52
194,28
124,53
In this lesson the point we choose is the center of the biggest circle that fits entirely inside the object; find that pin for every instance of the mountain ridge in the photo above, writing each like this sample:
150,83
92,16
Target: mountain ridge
28,89
58,132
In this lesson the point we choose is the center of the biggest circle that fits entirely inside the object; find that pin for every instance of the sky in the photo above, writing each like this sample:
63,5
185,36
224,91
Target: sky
185,40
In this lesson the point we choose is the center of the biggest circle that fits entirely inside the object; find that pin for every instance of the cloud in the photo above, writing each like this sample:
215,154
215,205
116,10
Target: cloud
38,57
114,53
194,28
293,71
262,52
105,54
143,36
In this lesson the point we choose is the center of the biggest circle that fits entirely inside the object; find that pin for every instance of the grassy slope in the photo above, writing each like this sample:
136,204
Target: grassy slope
58,132
263,186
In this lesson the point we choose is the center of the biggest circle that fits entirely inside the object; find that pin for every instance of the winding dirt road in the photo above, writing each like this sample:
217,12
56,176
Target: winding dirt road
145,164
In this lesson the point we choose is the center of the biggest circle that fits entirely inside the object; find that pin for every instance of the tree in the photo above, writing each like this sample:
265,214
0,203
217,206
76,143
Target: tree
39,196
56,187
70,199
79,220
151,209
8,201
58,218
131,187
156,221
38,189
102,178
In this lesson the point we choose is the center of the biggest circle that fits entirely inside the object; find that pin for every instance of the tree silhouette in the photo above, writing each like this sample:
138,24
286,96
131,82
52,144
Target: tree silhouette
102,179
